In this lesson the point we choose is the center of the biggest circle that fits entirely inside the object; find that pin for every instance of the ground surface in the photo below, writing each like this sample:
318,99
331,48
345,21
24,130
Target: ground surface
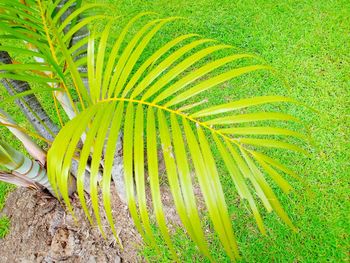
308,42
43,232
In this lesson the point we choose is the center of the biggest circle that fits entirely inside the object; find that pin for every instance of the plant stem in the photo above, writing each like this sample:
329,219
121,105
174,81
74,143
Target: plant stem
32,148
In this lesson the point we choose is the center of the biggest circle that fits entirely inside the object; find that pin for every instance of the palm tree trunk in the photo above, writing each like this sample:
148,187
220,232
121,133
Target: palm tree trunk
29,104
25,172
23,167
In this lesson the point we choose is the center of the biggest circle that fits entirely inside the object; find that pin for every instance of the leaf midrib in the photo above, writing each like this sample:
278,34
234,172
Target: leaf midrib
179,113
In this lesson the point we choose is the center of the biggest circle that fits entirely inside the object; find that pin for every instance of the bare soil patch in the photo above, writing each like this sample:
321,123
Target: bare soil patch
42,231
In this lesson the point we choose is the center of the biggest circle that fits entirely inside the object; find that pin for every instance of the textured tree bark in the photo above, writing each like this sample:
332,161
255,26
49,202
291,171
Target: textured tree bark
118,170
29,104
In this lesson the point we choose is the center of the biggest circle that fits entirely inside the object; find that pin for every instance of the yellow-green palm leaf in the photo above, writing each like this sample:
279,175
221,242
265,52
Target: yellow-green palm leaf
147,99
46,34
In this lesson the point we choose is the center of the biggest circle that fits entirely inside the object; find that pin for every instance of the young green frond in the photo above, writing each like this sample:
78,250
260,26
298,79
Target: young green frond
51,32
146,96
143,97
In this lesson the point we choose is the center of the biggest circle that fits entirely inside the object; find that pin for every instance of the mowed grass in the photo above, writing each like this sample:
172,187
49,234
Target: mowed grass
308,43
4,221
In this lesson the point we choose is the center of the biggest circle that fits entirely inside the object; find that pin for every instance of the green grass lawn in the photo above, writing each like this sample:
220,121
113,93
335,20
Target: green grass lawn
4,221
308,42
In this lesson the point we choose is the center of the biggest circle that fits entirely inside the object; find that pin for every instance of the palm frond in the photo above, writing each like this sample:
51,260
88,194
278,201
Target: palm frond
50,30
143,99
